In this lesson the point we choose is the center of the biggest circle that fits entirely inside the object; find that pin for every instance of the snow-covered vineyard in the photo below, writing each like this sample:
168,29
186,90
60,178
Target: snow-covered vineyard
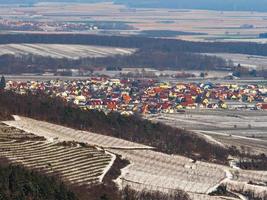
167,172
148,169
157,171
61,133
63,50
73,163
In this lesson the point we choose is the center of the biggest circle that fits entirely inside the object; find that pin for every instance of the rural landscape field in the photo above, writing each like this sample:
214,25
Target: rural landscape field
196,25
133,100
62,51
245,128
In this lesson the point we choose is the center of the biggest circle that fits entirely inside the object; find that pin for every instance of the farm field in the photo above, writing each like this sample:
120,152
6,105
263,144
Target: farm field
73,163
216,77
215,25
62,51
158,171
240,128
251,61
148,169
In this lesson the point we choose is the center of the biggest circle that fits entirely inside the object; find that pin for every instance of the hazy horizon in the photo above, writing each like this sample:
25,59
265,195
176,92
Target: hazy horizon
224,5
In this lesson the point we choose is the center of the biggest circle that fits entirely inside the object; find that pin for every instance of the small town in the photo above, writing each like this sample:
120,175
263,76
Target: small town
128,96
45,26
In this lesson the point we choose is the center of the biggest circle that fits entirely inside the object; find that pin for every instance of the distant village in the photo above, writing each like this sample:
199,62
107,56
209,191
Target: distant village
147,96
86,25
16,25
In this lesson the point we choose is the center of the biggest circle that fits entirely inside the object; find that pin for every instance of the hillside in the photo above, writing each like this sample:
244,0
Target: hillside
133,128
17,182
160,170
32,167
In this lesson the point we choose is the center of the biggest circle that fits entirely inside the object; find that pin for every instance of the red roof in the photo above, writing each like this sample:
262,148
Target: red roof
165,106
264,106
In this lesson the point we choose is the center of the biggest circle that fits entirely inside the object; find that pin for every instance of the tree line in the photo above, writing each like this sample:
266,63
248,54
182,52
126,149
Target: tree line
152,52
11,64
166,45
20,183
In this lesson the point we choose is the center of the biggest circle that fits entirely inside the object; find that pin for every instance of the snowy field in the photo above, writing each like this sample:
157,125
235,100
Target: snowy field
239,128
251,61
63,50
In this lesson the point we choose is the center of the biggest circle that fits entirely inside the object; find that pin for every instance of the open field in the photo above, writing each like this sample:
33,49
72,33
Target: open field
73,163
160,171
216,25
250,61
240,128
148,169
157,171
242,81
62,51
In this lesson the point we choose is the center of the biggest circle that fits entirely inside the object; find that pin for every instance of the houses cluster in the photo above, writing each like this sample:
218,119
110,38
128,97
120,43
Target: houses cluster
33,25
147,96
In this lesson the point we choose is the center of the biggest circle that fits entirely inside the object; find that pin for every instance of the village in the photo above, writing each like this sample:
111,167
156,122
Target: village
31,25
147,96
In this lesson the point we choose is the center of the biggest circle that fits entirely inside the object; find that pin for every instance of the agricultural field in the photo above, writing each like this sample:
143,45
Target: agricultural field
62,51
75,164
148,169
250,61
239,128
158,171
203,25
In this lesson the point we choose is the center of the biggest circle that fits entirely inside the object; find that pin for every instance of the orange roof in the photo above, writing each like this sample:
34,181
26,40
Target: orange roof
126,98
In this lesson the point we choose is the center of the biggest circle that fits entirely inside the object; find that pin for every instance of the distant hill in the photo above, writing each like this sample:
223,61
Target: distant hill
229,5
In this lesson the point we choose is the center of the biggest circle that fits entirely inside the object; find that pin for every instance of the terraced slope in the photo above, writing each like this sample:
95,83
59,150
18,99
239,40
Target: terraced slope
254,176
163,172
52,131
74,163
150,169
207,197
160,172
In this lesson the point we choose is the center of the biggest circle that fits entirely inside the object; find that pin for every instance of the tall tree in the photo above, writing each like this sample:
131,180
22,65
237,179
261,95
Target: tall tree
2,83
